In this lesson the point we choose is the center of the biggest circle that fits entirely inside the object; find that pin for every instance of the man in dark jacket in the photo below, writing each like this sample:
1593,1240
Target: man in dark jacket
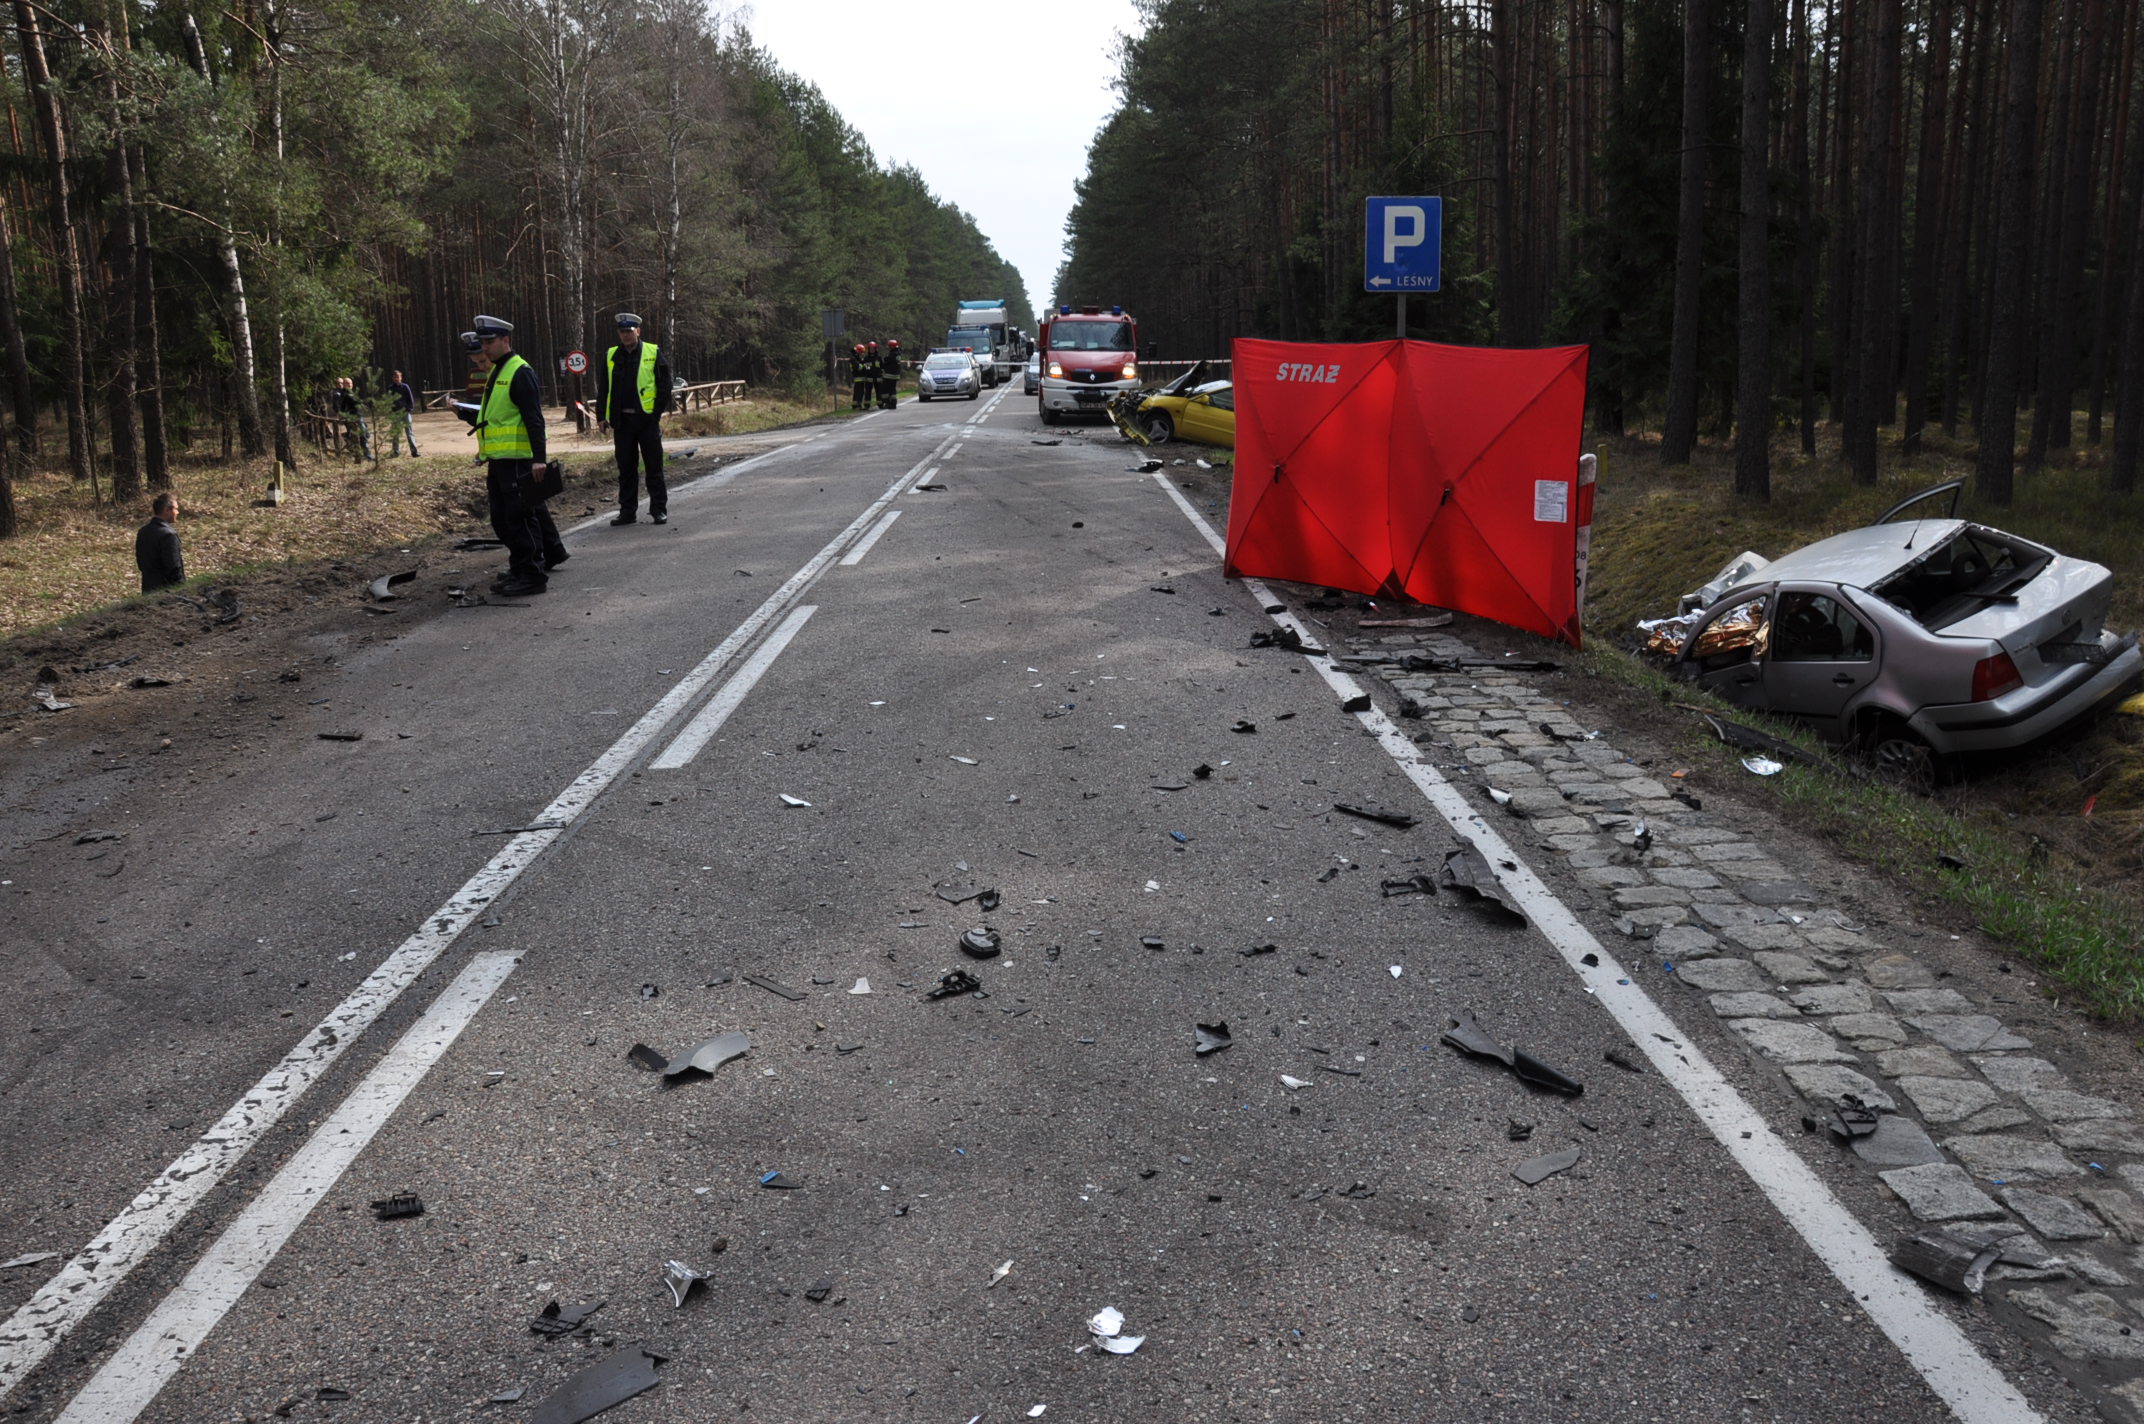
631,403
889,374
863,374
156,546
404,419
510,438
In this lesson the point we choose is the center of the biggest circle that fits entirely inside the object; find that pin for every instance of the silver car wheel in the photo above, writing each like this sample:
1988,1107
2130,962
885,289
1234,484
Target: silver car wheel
1902,759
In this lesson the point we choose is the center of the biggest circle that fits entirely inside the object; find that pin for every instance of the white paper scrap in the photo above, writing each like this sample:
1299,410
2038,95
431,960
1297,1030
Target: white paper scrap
998,1275
1106,1321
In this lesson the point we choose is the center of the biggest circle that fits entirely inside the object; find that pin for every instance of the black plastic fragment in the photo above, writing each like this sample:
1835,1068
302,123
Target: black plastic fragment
398,1206
1536,1170
775,1181
1286,639
1360,702
1202,772
642,1056
1952,1260
553,1321
1244,728
819,1289
1257,949
651,991
773,988
980,943
1397,819
1616,1057
341,736
1687,799
1328,875
1467,870
1518,1131
1470,1037
1411,885
960,981
330,1394
1851,1119
610,1381
708,1055
1734,734
1212,1038
988,900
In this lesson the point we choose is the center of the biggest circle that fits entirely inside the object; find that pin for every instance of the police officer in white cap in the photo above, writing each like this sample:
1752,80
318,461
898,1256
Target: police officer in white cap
634,397
509,430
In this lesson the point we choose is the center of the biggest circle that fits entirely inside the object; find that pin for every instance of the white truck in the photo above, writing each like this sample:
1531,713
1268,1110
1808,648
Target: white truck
984,326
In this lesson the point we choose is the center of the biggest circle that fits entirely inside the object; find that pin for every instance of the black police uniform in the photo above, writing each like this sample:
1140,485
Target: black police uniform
554,547
863,372
636,434
889,377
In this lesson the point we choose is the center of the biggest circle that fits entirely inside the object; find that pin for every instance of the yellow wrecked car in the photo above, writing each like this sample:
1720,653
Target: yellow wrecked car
1187,408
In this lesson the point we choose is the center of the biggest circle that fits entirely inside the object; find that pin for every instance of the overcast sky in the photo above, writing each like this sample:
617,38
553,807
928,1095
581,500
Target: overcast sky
896,70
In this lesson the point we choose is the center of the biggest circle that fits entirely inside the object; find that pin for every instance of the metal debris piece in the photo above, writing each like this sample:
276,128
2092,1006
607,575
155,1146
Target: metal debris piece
998,1275
31,1258
520,830
1539,1169
380,586
1161,588
980,943
775,1181
396,1207
1399,820
92,837
960,981
965,761
681,1278
1412,885
788,800
48,699
1285,638
819,1289
1948,1259
1466,869
608,1382
554,1322
1328,875
1212,1038
1469,1037
773,988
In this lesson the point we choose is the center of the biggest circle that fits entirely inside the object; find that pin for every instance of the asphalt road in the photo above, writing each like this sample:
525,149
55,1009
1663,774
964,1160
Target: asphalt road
1011,689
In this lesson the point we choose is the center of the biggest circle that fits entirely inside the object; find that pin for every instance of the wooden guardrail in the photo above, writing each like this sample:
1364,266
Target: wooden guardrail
707,393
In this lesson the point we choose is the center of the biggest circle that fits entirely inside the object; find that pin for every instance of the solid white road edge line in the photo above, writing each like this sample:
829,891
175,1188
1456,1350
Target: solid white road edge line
1975,1391
156,1351
855,556
708,721
46,1318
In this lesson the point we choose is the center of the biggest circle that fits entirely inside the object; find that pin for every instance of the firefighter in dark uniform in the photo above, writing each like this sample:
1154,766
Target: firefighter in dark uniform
632,403
889,374
509,429
863,375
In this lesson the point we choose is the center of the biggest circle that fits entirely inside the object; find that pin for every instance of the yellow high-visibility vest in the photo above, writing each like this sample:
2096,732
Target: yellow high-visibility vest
502,433
646,381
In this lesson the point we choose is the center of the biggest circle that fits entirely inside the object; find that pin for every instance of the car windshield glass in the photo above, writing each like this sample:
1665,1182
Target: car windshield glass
1091,336
946,361
1963,575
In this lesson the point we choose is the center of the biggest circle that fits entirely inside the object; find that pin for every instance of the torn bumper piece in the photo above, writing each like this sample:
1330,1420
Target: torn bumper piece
610,1381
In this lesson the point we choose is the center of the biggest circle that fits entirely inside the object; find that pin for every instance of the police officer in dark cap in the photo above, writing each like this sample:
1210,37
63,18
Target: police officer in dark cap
634,397
482,365
509,429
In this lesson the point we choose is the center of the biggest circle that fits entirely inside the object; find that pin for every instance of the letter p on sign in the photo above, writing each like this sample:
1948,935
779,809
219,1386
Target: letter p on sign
1405,226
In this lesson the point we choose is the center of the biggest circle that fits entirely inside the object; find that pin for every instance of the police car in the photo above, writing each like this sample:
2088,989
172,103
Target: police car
949,373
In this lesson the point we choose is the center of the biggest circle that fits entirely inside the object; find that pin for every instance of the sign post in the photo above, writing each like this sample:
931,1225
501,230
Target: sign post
1403,244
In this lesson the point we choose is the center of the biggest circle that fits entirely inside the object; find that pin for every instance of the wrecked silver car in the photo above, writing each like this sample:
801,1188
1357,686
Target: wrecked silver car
1910,639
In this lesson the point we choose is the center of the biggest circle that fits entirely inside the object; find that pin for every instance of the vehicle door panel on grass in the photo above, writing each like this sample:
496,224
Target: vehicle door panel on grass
1820,654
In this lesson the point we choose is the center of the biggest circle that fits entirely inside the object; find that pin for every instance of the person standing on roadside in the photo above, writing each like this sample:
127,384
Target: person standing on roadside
156,546
346,405
471,410
404,420
634,398
889,374
862,372
510,440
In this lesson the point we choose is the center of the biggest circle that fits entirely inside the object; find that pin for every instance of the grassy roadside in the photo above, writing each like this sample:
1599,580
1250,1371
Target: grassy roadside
73,555
2052,843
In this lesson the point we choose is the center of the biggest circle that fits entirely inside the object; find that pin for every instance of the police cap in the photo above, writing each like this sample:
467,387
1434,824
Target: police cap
472,342
490,326
626,319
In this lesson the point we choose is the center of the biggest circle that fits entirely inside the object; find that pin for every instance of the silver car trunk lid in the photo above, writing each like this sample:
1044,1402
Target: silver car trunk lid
2066,603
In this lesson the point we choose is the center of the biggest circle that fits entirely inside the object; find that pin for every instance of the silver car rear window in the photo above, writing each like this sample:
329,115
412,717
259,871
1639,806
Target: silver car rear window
1961,575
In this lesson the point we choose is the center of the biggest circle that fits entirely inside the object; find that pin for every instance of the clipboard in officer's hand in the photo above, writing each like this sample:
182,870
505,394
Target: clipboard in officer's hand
552,481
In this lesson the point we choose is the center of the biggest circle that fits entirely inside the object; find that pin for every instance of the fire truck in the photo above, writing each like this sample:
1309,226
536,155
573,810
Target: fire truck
1088,355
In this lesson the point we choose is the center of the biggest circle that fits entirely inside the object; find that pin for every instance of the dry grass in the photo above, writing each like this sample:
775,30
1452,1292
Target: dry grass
72,555
757,413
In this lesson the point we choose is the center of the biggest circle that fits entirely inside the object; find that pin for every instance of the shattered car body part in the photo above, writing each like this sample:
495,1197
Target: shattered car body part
1851,1119
1537,1170
1412,885
1762,766
642,1056
1107,1327
1212,1038
1286,639
1292,1084
1469,1037
396,1207
610,1381
681,1278
861,986
554,1322
788,800
980,943
773,988
1398,820
1466,869
998,1275
707,1056
959,982
1360,702
30,1258
381,587
775,1181
1947,1260
819,1289
48,699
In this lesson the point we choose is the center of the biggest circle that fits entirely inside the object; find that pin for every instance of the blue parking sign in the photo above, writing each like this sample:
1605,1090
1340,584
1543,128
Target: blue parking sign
1403,240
